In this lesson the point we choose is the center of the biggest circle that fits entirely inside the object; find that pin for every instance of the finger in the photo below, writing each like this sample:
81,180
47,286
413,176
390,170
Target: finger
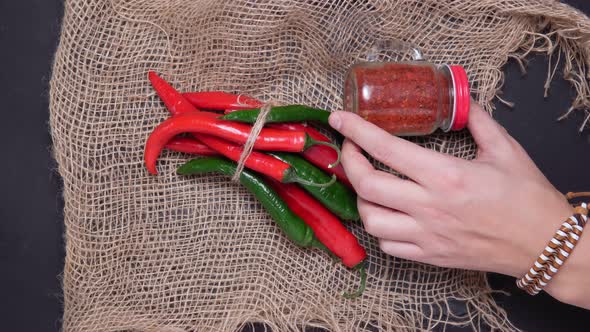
388,224
406,157
404,250
484,129
378,186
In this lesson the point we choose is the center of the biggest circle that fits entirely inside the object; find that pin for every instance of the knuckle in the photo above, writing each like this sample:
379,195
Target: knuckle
363,207
453,179
350,126
366,187
382,153
384,246
347,148
440,255
444,262
432,213
367,218
370,226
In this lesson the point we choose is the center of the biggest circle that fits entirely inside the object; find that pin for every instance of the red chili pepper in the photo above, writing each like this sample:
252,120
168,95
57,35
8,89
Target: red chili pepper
319,155
326,227
219,100
171,98
188,119
257,161
190,145
197,122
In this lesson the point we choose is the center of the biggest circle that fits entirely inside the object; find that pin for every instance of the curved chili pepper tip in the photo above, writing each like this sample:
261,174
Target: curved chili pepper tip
363,271
153,77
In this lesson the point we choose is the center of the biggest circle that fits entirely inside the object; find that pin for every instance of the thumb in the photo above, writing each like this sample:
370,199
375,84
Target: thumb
484,129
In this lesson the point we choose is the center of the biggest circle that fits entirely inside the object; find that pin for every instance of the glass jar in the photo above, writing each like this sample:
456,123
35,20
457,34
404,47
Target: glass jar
408,98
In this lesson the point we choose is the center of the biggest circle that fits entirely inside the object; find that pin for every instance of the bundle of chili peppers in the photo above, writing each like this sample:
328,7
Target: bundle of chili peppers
293,169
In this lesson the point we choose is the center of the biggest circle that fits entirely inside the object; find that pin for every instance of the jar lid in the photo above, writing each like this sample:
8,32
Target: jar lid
462,98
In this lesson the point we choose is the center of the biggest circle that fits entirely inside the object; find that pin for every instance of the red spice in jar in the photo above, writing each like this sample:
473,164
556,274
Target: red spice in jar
408,98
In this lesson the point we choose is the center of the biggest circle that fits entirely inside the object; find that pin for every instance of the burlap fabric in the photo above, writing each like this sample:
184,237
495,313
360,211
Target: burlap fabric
170,253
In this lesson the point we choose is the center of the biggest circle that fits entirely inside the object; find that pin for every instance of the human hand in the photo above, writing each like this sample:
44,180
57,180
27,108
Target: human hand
494,213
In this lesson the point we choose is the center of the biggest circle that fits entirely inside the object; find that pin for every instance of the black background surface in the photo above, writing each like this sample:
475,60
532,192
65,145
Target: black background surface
31,218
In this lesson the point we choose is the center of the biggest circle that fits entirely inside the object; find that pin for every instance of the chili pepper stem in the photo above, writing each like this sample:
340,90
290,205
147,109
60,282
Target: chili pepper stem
363,271
311,142
290,175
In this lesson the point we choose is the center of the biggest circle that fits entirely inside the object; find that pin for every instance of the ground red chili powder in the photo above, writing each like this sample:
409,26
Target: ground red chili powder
402,98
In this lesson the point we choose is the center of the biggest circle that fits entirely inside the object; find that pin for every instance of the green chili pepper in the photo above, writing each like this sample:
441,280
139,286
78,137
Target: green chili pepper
293,226
336,197
289,113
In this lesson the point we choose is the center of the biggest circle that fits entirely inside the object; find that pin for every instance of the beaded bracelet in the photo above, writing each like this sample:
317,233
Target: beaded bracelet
557,250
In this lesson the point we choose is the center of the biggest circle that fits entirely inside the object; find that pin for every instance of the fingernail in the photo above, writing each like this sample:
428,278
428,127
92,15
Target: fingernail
335,121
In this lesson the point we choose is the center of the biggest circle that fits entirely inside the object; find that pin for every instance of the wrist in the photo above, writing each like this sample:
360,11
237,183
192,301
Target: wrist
540,231
570,284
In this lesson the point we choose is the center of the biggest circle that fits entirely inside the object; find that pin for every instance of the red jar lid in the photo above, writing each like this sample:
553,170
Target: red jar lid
462,97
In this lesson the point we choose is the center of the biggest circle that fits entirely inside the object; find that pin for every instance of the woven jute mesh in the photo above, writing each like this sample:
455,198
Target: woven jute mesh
170,253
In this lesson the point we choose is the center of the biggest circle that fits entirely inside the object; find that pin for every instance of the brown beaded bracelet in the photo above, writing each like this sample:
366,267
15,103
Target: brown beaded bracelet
556,252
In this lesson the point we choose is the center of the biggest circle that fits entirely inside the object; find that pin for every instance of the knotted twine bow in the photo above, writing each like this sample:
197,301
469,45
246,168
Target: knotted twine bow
249,145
